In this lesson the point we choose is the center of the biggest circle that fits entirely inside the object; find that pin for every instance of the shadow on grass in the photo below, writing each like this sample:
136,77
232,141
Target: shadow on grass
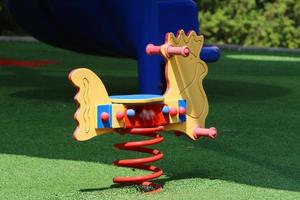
114,186
217,90
57,88
238,159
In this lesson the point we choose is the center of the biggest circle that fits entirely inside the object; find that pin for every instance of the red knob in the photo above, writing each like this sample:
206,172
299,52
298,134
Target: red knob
120,116
181,111
173,111
105,116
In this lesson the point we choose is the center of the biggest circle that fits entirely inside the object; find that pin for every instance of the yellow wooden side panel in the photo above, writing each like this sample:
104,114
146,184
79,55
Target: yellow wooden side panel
115,109
91,92
173,104
185,75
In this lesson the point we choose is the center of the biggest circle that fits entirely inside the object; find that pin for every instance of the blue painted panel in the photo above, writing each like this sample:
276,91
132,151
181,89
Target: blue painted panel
100,109
182,103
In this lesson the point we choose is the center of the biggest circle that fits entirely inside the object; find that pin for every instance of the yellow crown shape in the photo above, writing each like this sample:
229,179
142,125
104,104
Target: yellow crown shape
193,41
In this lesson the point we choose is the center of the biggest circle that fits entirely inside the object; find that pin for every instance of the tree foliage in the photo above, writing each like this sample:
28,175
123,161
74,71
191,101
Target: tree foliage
7,26
271,23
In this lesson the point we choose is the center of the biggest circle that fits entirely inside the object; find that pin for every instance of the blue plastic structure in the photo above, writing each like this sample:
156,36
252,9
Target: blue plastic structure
119,28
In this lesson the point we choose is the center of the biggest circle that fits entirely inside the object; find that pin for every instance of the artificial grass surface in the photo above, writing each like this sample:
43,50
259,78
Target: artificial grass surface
254,104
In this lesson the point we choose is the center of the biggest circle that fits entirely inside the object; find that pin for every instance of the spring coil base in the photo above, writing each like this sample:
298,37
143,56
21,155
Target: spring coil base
140,163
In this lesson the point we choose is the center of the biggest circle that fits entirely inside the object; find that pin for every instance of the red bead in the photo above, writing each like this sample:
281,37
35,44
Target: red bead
173,111
186,51
120,116
105,116
181,111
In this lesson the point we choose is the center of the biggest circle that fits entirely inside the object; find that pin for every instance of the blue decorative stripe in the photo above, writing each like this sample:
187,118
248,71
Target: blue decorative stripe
136,96
182,103
104,108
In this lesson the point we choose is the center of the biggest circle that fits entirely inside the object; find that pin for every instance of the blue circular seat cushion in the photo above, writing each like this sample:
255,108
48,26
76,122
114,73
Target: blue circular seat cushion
136,98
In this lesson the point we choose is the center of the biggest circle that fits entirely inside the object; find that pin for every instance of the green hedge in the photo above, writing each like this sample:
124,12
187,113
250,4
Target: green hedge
268,23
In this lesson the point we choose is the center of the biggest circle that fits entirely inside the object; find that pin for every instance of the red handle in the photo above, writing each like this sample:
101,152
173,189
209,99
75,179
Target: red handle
205,132
152,49
183,51
170,50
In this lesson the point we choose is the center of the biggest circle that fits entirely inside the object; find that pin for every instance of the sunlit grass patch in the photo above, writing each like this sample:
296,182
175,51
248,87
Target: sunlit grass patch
263,58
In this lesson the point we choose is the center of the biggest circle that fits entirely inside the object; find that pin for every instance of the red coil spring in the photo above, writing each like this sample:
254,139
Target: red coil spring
140,163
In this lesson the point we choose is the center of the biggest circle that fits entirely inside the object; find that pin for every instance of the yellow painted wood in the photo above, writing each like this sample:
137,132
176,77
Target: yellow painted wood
91,92
185,76
173,104
115,109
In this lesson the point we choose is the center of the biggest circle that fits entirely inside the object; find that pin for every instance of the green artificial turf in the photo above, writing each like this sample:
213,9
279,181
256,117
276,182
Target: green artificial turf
254,102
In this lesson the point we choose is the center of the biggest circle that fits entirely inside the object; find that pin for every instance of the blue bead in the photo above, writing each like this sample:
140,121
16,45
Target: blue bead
130,113
166,110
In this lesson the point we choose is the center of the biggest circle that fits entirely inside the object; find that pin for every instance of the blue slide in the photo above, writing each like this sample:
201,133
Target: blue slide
118,28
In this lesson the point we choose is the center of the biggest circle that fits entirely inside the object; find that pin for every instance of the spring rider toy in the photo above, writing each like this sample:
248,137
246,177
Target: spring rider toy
182,108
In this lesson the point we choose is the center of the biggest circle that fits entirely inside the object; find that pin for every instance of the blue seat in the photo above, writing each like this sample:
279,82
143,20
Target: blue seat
136,98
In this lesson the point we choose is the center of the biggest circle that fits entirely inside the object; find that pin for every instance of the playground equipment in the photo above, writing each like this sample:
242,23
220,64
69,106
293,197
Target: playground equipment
182,108
111,28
